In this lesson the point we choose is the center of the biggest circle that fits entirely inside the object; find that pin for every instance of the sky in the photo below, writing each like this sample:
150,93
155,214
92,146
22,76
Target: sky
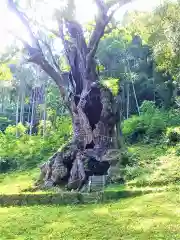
85,12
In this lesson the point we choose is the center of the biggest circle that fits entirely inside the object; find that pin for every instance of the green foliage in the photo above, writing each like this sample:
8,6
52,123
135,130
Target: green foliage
6,164
5,73
27,151
63,64
47,125
133,126
173,135
131,173
148,107
157,125
12,131
146,156
4,123
165,37
151,124
112,84
157,165
128,159
163,171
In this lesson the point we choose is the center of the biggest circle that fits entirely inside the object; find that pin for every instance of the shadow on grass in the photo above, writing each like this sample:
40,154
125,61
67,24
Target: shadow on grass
28,199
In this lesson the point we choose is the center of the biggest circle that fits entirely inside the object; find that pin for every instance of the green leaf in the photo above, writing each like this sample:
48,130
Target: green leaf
5,73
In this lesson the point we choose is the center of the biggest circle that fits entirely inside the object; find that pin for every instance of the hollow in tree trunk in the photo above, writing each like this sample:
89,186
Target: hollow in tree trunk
92,106
94,120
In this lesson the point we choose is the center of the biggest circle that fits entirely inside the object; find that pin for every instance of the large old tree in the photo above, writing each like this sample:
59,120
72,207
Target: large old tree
92,106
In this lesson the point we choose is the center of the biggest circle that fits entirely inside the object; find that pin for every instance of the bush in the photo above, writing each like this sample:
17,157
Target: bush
131,173
28,151
173,135
151,124
148,107
18,130
7,164
173,118
48,127
128,158
134,128
157,126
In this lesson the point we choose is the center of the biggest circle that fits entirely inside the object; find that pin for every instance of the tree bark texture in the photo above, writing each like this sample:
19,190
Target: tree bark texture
93,123
92,106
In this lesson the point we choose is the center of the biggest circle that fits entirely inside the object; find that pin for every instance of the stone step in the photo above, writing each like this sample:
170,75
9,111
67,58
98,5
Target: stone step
97,183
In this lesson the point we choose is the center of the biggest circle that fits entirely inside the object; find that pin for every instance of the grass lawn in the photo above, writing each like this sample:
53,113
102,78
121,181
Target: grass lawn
16,182
153,215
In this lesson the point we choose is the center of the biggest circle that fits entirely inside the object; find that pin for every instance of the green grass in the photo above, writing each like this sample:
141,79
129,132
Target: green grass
148,152
152,216
15,182
148,206
157,166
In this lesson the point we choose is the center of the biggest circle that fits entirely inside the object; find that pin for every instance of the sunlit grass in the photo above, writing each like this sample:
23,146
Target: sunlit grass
16,182
152,216
157,166
152,212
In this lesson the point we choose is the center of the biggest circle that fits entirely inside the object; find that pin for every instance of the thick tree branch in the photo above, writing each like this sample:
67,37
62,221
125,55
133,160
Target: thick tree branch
80,56
102,7
35,52
76,51
102,21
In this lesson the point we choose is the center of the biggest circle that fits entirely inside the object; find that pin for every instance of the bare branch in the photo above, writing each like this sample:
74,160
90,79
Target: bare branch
101,22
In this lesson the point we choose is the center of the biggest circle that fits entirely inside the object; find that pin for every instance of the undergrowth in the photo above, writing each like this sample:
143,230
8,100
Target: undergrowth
27,151
157,165
151,125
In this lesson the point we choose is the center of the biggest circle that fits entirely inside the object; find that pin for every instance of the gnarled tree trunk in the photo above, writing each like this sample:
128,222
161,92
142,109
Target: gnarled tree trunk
92,106
93,123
